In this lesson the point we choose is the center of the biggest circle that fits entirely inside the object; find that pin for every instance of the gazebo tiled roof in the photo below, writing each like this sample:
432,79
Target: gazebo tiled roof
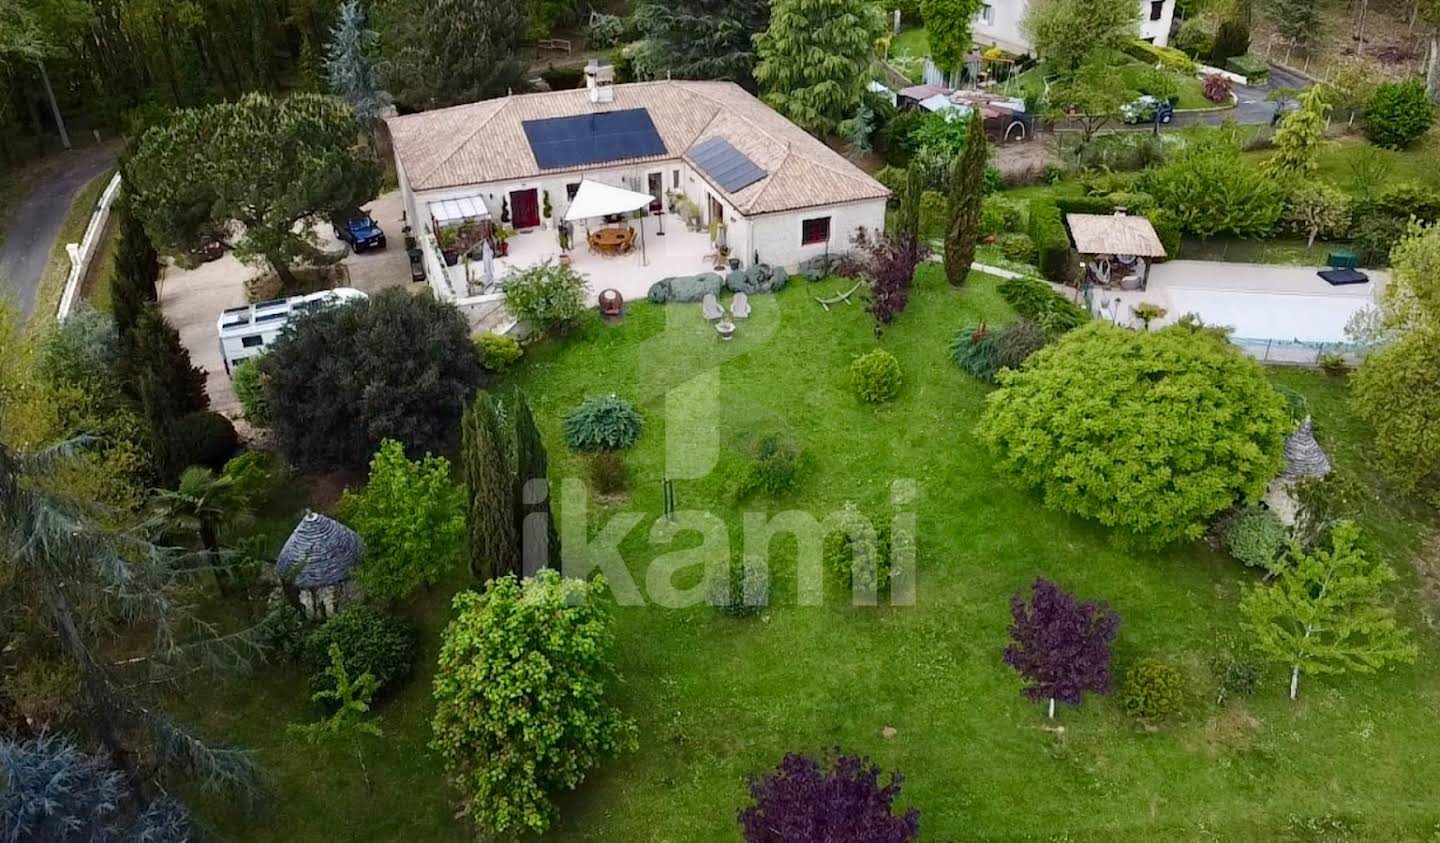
1303,455
325,551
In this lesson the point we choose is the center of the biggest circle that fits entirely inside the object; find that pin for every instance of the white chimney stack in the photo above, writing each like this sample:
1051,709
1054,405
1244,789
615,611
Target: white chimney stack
600,81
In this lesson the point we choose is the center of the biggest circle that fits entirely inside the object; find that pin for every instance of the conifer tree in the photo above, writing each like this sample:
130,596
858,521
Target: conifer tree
491,542
446,52
1298,140
1297,20
815,59
1323,612
703,39
532,464
967,185
349,67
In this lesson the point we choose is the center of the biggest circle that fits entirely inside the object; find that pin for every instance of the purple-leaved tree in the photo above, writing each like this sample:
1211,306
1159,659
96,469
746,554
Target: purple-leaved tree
1060,645
842,801
888,263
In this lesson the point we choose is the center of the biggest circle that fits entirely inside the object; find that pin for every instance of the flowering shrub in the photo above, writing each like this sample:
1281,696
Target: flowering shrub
1216,88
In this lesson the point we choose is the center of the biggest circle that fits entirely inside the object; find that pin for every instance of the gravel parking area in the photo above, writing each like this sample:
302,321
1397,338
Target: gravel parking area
192,299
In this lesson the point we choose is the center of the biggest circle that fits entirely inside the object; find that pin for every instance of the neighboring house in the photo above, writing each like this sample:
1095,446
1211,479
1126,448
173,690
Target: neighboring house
779,192
998,24
317,564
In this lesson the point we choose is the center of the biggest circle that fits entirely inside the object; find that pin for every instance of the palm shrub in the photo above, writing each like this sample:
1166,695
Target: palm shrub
984,352
549,296
1255,536
508,761
876,376
370,641
604,423
1398,113
1153,690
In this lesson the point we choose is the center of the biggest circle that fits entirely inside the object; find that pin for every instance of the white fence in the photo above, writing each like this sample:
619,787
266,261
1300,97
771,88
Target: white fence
83,252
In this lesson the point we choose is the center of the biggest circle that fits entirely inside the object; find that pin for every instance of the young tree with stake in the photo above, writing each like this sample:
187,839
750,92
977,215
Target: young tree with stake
1059,645
1322,612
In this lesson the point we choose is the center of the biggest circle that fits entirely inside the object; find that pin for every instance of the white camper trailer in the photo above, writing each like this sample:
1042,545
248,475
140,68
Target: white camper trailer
247,331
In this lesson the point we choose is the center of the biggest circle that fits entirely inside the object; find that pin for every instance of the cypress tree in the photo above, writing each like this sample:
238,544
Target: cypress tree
491,541
911,195
532,463
967,184
137,268
153,348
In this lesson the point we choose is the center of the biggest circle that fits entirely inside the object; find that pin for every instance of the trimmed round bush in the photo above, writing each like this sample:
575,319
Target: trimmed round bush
876,376
1153,690
1255,536
370,642
498,351
205,438
1018,247
1398,113
605,423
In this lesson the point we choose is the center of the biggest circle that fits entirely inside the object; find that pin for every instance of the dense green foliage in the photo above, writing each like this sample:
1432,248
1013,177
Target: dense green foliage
547,296
1067,32
250,389
737,590
498,351
446,52
1324,612
1151,433
985,352
409,515
345,378
370,641
204,438
266,163
774,467
702,39
1297,142
603,423
947,23
1037,301
492,544
815,59
1394,391
1398,113
1210,189
1255,536
545,642
1054,256
875,376
1153,690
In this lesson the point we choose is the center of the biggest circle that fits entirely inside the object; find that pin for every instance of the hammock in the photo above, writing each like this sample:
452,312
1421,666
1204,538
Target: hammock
837,299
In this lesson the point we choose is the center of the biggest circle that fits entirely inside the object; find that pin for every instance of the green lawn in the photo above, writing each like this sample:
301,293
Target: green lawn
1032,82
908,50
717,699
1281,250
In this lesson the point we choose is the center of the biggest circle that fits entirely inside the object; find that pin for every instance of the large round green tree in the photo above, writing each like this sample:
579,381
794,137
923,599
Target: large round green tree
815,59
267,163
521,710
1151,433
346,377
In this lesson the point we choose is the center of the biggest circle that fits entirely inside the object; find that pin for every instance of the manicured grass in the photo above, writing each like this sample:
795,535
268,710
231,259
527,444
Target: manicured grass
908,50
717,699
1282,250
52,279
1032,82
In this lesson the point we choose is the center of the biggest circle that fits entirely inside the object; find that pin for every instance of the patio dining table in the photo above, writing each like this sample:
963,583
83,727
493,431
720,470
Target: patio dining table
611,241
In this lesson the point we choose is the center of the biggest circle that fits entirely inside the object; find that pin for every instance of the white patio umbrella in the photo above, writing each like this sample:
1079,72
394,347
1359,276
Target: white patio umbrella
487,259
597,199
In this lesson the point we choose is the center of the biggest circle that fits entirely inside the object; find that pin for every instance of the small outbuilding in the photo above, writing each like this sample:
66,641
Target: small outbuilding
317,564
1303,458
1118,247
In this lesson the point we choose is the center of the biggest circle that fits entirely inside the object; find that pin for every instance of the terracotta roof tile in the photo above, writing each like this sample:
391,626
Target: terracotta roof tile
485,142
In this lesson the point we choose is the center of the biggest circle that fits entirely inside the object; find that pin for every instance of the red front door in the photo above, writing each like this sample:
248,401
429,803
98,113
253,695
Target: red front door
525,208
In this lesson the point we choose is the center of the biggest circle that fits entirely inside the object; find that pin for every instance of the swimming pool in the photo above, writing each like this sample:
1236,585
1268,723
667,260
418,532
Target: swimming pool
1316,318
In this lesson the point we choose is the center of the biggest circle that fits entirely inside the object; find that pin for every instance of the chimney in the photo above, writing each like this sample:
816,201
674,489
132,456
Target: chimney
600,81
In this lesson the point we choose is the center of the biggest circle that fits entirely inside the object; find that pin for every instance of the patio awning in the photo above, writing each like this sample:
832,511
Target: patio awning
1114,234
597,199
455,211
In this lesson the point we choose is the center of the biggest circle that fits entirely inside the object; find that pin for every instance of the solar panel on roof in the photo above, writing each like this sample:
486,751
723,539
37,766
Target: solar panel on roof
725,164
592,138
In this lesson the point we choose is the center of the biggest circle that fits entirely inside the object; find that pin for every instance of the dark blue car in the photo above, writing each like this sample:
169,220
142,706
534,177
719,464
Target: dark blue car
361,233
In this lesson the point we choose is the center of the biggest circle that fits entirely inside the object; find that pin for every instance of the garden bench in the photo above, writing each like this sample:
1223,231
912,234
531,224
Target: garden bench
557,44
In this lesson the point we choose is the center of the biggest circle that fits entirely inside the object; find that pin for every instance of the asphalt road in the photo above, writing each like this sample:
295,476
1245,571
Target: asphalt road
1251,106
34,223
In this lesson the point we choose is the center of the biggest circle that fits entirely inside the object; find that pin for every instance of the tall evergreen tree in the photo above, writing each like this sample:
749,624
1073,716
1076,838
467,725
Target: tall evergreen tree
446,52
911,196
349,66
77,586
967,187
1324,614
137,268
1298,140
815,59
539,543
153,347
491,542
948,24
703,39
1297,20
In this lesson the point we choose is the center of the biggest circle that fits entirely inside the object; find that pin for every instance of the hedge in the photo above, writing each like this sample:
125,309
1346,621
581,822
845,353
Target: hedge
1167,57
1053,254
1253,68
1083,205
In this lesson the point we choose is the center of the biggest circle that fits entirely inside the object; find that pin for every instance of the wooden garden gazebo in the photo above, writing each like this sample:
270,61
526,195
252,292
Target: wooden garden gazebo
1118,247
